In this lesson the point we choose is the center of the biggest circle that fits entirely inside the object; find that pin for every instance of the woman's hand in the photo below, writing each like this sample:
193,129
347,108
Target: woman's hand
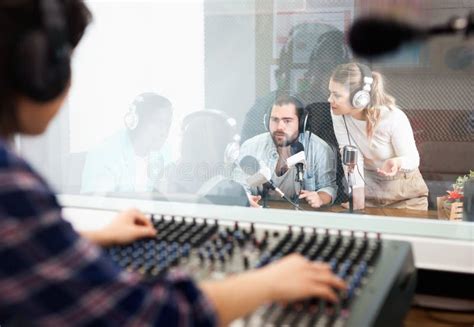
127,227
289,279
390,167
294,277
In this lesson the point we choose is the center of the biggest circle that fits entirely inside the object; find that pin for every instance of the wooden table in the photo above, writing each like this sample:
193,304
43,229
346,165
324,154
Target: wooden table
437,318
388,212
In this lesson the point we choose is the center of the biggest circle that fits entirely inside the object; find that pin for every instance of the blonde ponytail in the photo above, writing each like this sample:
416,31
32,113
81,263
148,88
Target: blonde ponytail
378,98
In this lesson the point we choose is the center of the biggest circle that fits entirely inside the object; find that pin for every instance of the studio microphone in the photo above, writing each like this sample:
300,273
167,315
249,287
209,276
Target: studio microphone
297,159
258,174
349,156
261,175
349,159
375,36
249,165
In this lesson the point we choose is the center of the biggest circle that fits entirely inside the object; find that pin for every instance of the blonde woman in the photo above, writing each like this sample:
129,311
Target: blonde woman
366,117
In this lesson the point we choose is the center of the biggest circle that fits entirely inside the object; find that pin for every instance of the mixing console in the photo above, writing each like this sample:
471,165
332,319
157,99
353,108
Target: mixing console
379,273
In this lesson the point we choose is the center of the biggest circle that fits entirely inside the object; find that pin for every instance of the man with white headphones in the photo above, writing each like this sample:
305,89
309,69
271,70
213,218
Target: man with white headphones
132,159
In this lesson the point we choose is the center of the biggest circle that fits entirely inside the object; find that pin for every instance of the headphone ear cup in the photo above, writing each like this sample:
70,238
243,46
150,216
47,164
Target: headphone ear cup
303,122
360,99
131,120
266,122
35,74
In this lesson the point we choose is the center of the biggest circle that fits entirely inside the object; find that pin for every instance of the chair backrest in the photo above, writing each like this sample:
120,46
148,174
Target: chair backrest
320,124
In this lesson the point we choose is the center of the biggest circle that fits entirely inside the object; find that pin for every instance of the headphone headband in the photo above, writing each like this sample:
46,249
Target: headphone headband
41,63
366,72
56,28
302,113
360,98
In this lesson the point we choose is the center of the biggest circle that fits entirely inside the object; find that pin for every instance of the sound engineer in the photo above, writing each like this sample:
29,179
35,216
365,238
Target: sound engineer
49,274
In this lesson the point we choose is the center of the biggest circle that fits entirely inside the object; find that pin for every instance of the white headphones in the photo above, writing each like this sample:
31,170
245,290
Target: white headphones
131,118
361,96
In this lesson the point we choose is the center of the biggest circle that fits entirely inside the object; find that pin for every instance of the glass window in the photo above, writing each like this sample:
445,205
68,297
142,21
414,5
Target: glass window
171,100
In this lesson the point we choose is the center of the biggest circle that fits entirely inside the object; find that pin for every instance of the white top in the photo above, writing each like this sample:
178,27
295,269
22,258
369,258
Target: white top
393,137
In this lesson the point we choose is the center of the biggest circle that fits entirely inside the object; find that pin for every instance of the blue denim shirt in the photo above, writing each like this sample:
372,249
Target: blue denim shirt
320,170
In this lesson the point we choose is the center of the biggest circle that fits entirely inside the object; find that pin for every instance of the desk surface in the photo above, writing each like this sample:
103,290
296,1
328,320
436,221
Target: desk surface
437,318
407,213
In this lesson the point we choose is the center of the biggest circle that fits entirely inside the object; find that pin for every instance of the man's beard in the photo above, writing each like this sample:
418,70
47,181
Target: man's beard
286,141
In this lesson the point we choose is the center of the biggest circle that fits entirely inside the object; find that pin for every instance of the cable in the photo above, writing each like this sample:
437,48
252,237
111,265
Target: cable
297,207
349,136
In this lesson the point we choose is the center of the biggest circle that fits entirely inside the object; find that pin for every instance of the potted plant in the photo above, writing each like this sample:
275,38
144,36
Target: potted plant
450,205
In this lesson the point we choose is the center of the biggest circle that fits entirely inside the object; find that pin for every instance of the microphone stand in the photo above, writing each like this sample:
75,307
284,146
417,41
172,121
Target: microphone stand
296,205
350,189
264,196
281,194
297,202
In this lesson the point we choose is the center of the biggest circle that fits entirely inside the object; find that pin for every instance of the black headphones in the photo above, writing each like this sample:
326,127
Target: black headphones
301,112
41,62
360,98
232,149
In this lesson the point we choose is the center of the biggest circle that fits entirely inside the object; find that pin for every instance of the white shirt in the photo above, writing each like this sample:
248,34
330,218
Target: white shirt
392,137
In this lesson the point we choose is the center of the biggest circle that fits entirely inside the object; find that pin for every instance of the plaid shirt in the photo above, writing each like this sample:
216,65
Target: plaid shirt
50,276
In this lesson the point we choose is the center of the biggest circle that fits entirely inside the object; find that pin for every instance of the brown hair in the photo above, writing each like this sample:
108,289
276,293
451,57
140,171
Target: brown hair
17,18
350,75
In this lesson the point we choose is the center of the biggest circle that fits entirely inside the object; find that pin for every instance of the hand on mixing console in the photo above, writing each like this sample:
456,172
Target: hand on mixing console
126,227
293,278
289,279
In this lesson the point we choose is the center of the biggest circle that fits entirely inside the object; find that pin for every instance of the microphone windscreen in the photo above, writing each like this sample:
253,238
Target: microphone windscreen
261,177
249,165
375,36
296,147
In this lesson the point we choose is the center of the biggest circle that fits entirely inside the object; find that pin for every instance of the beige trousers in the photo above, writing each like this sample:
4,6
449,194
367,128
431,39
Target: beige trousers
402,191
